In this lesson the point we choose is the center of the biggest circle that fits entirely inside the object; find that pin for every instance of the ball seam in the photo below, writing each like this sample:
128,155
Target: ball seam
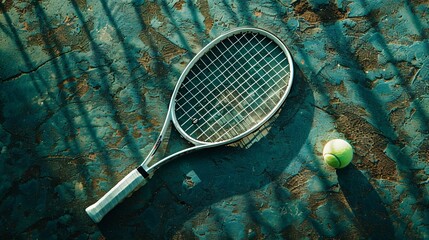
337,159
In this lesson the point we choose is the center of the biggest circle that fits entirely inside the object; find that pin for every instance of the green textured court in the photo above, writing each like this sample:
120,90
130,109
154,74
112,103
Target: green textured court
85,87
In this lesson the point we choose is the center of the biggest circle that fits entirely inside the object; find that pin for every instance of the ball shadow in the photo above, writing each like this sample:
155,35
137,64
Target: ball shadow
162,206
366,204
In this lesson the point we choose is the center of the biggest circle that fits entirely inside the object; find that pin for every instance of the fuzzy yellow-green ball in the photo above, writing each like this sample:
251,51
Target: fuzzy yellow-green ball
338,153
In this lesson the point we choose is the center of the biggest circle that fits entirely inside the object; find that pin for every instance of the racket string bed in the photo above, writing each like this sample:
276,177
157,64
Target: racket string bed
255,99
206,84
228,136
202,71
223,106
248,106
202,82
236,89
211,62
234,113
205,87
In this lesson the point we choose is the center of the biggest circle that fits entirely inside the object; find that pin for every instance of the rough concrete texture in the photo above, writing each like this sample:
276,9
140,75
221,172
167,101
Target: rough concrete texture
84,87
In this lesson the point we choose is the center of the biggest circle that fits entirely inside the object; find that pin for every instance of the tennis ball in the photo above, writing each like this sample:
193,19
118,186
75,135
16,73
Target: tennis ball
338,153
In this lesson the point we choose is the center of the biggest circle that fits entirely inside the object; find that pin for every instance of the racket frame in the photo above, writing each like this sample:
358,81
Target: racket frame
171,114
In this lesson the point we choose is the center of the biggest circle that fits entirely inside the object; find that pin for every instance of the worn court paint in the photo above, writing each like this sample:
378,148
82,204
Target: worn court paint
84,87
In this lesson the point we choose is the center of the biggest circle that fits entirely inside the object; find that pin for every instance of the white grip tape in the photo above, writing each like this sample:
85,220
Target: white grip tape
119,192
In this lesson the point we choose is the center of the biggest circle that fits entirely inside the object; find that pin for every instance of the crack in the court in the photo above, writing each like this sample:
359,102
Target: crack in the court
22,72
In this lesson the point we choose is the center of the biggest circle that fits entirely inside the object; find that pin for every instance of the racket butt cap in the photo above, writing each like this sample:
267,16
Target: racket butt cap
93,213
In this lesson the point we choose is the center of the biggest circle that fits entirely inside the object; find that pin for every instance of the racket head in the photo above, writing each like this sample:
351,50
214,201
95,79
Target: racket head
232,87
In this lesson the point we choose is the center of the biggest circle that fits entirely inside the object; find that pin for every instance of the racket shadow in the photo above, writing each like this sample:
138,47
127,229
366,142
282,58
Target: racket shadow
191,184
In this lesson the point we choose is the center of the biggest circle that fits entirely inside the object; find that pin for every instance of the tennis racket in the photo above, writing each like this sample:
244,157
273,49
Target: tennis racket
227,91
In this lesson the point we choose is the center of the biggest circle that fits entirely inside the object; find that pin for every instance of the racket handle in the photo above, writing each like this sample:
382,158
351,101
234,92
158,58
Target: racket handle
133,181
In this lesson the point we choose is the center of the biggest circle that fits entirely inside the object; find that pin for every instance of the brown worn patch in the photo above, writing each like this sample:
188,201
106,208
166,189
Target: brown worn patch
257,13
413,82
307,227
75,87
340,88
205,11
81,3
149,10
369,144
145,60
159,44
162,50
116,139
137,132
316,200
326,13
424,151
367,57
179,4
398,114
297,184
62,84
60,37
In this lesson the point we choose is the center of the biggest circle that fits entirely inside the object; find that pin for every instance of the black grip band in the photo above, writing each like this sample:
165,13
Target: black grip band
143,172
